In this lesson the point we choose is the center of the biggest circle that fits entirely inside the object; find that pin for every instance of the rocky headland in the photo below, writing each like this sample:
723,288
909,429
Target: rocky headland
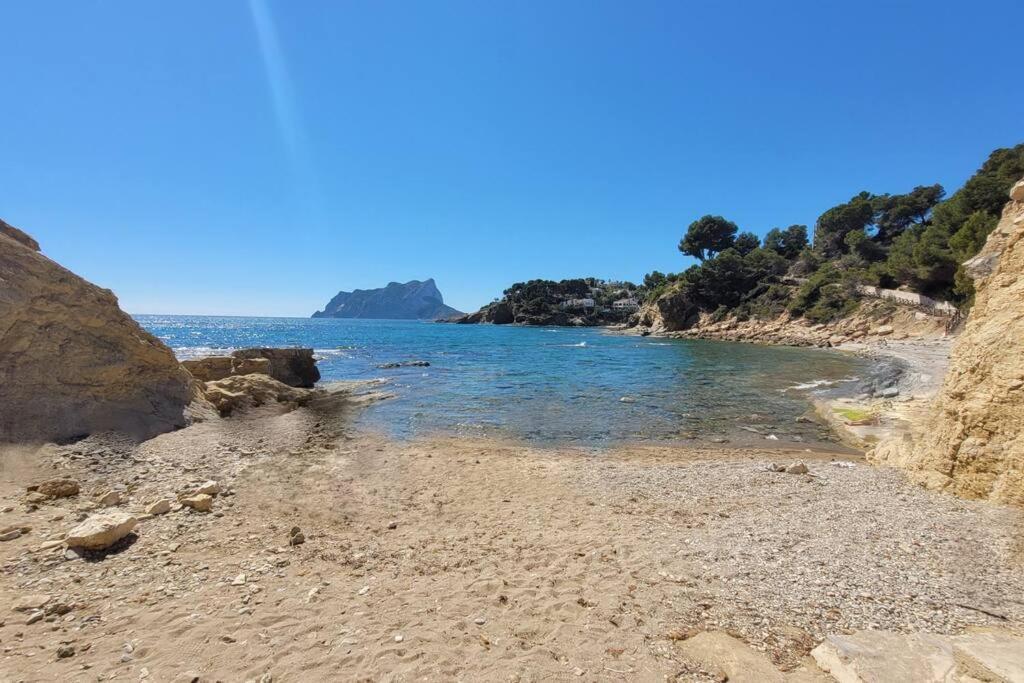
580,302
413,300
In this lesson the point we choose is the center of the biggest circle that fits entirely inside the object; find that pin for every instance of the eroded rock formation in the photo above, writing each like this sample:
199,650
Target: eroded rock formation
240,392
294,367
973,442
71,361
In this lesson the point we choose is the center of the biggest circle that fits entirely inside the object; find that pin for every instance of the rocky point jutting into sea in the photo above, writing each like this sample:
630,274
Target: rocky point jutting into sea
256,534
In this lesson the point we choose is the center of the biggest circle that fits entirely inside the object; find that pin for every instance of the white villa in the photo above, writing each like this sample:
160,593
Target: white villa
627,304
576,304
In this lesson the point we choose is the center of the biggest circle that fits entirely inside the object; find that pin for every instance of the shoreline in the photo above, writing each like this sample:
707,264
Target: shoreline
541,562
885,406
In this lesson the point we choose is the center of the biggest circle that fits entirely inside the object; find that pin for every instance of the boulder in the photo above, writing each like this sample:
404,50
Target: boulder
211,368
294,367
210,488
110,499
730,658
160,507
60,487
200,502
72,362
30,602
980,654
250,366
101,531
240,392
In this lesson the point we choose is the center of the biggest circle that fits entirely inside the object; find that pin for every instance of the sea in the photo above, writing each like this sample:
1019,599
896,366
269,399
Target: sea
549,385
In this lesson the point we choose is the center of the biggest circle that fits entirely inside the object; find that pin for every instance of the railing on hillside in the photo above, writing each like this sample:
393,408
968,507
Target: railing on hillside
910,299
899,296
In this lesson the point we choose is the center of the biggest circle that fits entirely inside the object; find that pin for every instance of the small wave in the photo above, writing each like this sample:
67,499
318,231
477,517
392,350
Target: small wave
190,352
324,354
806,386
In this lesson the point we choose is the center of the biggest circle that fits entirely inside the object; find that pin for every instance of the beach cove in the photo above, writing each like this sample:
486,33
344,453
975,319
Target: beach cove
550,385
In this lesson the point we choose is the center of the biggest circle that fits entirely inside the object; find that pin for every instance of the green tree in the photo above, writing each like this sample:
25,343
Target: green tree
719,281
655,279
787,243
746,242
764,264
863,248
957,229
900,267
707,236
834,225
896,213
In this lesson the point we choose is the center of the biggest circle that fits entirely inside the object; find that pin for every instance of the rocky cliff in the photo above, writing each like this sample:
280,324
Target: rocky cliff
972,444
414,300
71,362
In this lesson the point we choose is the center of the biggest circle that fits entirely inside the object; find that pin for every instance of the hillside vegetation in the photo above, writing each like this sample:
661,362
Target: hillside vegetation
578,301
915,241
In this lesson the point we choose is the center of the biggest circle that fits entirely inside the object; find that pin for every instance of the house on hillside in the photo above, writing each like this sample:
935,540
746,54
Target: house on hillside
578,304
627,305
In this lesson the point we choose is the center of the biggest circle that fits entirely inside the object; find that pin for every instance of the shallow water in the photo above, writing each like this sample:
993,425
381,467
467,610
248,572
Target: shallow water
559,385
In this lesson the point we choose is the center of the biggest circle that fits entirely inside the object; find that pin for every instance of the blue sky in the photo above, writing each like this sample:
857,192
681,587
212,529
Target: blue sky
255,157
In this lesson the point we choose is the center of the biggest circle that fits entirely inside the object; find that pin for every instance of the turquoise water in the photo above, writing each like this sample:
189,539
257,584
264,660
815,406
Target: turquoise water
580,385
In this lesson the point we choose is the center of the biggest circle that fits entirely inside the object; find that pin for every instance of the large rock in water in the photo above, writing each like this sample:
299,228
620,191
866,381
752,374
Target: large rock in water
71,361
294,367
213,368
973,443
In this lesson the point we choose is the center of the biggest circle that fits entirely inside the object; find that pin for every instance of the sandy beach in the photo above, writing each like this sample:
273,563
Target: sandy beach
459,559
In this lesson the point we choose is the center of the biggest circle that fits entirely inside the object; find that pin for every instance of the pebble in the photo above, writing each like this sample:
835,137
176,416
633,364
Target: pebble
479,621
65,651
399,638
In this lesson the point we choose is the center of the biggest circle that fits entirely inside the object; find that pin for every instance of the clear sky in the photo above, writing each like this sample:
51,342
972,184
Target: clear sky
255,157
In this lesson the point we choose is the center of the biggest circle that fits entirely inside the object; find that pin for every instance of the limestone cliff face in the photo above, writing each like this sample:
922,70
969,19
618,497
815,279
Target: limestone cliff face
973,442
71,362
670,312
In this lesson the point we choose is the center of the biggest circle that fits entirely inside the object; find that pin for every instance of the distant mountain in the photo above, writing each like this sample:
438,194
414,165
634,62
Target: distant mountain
413,300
